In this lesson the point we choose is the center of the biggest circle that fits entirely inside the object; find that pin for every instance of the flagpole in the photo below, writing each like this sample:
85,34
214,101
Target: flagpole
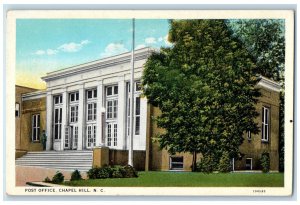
130,151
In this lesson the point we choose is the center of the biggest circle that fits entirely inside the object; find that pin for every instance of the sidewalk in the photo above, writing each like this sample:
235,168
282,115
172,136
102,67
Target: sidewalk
38,174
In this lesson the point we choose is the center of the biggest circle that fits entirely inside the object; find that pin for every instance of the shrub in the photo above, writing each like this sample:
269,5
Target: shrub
58,178
93,173
224,163
47,179
207,164
265,162
112,172
104,172
129,172
76,175
117,172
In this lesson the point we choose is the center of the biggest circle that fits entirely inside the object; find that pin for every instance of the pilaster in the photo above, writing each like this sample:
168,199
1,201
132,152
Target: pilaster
99,134
81,119
49,111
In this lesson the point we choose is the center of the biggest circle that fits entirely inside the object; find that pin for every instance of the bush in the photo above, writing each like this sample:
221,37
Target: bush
58,178
76,175
207,164
224,163
93,173
47,179
265,162
103,173
130,172
112,172
117,172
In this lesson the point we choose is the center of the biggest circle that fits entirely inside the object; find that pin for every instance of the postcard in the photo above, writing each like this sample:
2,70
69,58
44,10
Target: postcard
148,102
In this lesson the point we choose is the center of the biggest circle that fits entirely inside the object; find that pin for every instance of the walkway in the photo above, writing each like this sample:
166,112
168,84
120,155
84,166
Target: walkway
37,174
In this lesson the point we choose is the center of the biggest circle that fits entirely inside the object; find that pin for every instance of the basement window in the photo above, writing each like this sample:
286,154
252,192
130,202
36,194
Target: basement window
249,164
176,163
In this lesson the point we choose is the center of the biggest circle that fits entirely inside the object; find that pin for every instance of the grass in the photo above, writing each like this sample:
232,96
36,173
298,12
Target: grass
187,179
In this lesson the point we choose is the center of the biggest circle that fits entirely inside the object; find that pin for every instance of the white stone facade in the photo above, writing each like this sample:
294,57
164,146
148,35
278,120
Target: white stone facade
87,105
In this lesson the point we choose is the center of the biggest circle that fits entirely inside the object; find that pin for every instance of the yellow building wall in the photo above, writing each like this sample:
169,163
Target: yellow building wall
255,147
29,108
19,90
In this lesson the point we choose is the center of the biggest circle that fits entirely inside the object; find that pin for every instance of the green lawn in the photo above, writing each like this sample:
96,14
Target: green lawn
188,179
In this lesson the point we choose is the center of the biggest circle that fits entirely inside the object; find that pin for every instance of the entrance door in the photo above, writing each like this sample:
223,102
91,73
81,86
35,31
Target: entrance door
57,123
91,135
71,137
112,134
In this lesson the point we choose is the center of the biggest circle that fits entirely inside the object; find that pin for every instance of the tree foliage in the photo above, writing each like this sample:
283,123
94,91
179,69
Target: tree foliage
204,86
265,41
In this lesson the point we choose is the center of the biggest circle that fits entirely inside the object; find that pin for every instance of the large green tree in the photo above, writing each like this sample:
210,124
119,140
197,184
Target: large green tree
204,86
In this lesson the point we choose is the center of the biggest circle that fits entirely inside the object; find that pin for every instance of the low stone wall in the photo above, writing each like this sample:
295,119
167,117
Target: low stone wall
120,157
105,156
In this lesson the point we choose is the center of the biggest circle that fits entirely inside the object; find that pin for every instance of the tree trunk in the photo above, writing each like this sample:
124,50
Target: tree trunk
194,163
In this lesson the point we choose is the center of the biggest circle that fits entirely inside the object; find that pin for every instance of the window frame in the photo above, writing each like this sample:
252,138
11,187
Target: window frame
114,88
264,125
94,94
137,117
251,163
17,109
60,99
93,112
171,163
76,97
74,118
37,118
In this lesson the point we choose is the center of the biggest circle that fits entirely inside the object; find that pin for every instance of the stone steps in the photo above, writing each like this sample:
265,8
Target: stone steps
62,160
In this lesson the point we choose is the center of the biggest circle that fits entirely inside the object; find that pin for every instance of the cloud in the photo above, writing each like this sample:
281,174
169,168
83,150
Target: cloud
113,49
67,47
150,40
39,52
160,39
51,52
140,46
73,47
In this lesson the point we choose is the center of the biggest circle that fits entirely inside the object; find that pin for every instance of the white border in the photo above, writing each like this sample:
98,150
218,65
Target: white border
153,14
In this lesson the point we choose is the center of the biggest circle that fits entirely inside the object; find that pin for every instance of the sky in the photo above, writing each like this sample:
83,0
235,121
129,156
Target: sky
45,45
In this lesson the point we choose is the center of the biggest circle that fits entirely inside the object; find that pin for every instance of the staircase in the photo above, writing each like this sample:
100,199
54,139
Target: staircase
61,160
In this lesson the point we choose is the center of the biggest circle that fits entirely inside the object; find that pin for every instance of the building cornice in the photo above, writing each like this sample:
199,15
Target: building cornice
99,64
269,84
34,95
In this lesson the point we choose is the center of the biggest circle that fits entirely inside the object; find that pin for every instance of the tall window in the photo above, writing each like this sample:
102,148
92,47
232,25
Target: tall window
91,105
137,108
91,111
91,117
17,110
265,130
137,115
36,127
74,113
112,115
57,116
